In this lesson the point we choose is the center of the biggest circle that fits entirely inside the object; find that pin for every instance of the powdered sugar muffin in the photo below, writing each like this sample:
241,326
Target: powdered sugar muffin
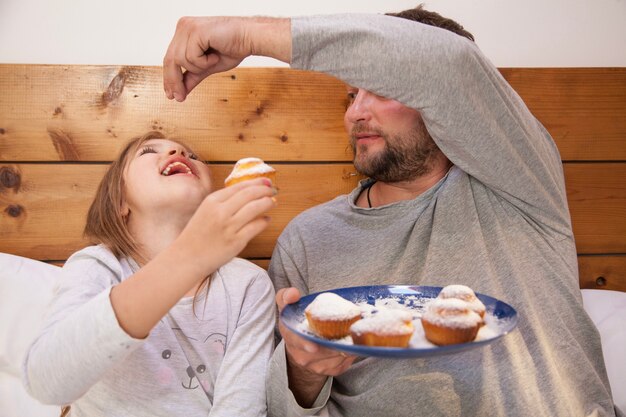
389,328
464,293
448,321
330,315
249,168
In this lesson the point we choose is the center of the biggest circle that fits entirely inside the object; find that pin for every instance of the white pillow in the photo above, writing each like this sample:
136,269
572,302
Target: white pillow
26,287
607,309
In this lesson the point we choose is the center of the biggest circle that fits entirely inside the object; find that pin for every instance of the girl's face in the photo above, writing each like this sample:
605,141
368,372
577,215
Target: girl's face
165,177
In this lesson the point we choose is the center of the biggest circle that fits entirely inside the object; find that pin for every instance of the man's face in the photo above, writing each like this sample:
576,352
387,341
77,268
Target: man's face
389,140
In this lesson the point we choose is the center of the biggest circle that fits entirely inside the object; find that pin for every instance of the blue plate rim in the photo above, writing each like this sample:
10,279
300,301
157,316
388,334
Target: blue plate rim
490,302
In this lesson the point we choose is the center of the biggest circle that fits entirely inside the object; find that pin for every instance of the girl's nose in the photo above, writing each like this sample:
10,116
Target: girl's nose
178,150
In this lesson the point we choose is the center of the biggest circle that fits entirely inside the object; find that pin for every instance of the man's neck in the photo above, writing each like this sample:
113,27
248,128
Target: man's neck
383,193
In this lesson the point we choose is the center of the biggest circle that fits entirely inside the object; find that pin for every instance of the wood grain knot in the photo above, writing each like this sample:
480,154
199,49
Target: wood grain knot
115,88
63,144
284,138
10,178
14,210
2,131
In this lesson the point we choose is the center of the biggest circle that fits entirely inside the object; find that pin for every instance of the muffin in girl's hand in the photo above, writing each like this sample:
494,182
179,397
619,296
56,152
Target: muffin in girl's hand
448,321
250,168
388,328
330,315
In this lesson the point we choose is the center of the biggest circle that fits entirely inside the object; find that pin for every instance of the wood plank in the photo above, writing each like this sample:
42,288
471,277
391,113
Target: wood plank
85,113
603,272
606,272
43,208
597,201
42,214
263,263
584,109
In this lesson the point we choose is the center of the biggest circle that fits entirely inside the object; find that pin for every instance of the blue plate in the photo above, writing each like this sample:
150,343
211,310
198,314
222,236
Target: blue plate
500,319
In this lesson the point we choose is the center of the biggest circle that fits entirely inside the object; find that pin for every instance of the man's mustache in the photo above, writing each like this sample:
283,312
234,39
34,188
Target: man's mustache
361,127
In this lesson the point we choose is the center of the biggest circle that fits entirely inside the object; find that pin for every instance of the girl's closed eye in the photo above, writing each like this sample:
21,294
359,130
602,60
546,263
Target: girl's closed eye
193,156
146,149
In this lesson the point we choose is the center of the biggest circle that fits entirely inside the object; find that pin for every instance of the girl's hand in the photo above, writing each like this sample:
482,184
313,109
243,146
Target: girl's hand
225,222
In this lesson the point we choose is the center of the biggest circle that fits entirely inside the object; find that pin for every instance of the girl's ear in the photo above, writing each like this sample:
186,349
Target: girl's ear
125,209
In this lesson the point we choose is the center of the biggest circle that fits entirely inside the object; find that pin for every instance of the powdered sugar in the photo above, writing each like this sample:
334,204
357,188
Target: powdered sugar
452,313
457,291
464,293
385,322
330,306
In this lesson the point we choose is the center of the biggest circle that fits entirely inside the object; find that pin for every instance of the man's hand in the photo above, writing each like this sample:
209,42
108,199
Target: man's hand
308,364
202,46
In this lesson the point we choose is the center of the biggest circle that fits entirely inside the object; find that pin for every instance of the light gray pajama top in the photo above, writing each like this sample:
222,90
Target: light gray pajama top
498,222
209,363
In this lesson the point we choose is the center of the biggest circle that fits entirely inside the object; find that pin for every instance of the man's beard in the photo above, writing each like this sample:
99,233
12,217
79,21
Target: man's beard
404,157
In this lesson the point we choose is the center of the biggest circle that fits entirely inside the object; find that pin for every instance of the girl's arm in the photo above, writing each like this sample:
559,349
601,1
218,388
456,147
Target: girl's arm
81,339
221,227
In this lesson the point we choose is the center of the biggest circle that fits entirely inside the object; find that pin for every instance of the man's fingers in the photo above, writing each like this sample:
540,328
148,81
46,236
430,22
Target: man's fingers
331,365
286,296
173,80
176,61
316,358
302,349
191,79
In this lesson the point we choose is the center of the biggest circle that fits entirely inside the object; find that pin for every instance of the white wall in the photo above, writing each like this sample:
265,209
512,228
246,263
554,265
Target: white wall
513,33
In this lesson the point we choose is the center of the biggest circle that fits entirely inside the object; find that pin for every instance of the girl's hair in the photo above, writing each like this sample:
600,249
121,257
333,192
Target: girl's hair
105,222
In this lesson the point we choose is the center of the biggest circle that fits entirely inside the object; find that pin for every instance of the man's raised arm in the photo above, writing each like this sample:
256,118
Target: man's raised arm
202,46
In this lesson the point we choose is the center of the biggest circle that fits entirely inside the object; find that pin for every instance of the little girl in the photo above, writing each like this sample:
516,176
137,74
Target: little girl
158,319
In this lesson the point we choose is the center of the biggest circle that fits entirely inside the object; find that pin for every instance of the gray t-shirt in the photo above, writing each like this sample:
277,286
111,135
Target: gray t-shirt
497,222
211,362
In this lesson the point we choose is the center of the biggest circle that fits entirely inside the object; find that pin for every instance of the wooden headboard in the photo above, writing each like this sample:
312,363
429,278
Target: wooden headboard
61,125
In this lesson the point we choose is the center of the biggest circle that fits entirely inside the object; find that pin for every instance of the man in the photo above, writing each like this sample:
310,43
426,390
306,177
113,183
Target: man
465,186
